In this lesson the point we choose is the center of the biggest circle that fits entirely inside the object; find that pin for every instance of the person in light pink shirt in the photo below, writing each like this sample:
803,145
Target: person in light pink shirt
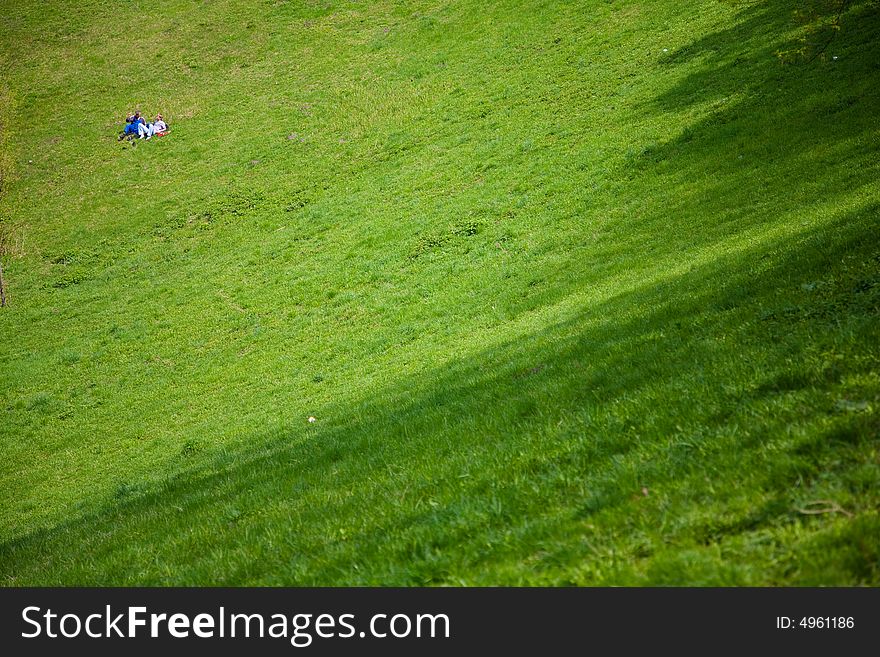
157,127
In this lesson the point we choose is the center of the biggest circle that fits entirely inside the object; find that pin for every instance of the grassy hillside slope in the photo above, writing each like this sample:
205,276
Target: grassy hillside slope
577,292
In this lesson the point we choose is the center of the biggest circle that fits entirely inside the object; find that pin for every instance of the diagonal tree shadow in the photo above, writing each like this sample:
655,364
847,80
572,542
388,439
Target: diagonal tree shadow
502,459
772,143
750,143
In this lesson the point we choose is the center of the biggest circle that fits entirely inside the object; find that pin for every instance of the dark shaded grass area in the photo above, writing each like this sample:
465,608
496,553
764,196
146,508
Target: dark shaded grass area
431,501
777,136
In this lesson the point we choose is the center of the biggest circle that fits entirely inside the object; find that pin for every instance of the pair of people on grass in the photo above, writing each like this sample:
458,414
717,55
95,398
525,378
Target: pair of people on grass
135,124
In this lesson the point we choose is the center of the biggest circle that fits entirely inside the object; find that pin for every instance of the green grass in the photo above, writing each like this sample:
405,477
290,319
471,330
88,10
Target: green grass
577,292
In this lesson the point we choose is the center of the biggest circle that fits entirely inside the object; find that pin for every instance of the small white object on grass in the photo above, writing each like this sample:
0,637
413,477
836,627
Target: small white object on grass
666,50
312,419
834,58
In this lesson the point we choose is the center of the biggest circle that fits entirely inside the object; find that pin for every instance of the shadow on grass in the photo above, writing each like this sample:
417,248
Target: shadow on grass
755,100
774,144
668,433
697,410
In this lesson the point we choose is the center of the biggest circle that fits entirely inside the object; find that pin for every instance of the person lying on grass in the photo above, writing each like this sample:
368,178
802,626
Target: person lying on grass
157,127
132,124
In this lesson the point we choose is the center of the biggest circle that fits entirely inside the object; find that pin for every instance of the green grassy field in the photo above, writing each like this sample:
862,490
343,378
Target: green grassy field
577,292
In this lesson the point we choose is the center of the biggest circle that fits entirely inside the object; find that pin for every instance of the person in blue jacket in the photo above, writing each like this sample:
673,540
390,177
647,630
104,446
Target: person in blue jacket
131,125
